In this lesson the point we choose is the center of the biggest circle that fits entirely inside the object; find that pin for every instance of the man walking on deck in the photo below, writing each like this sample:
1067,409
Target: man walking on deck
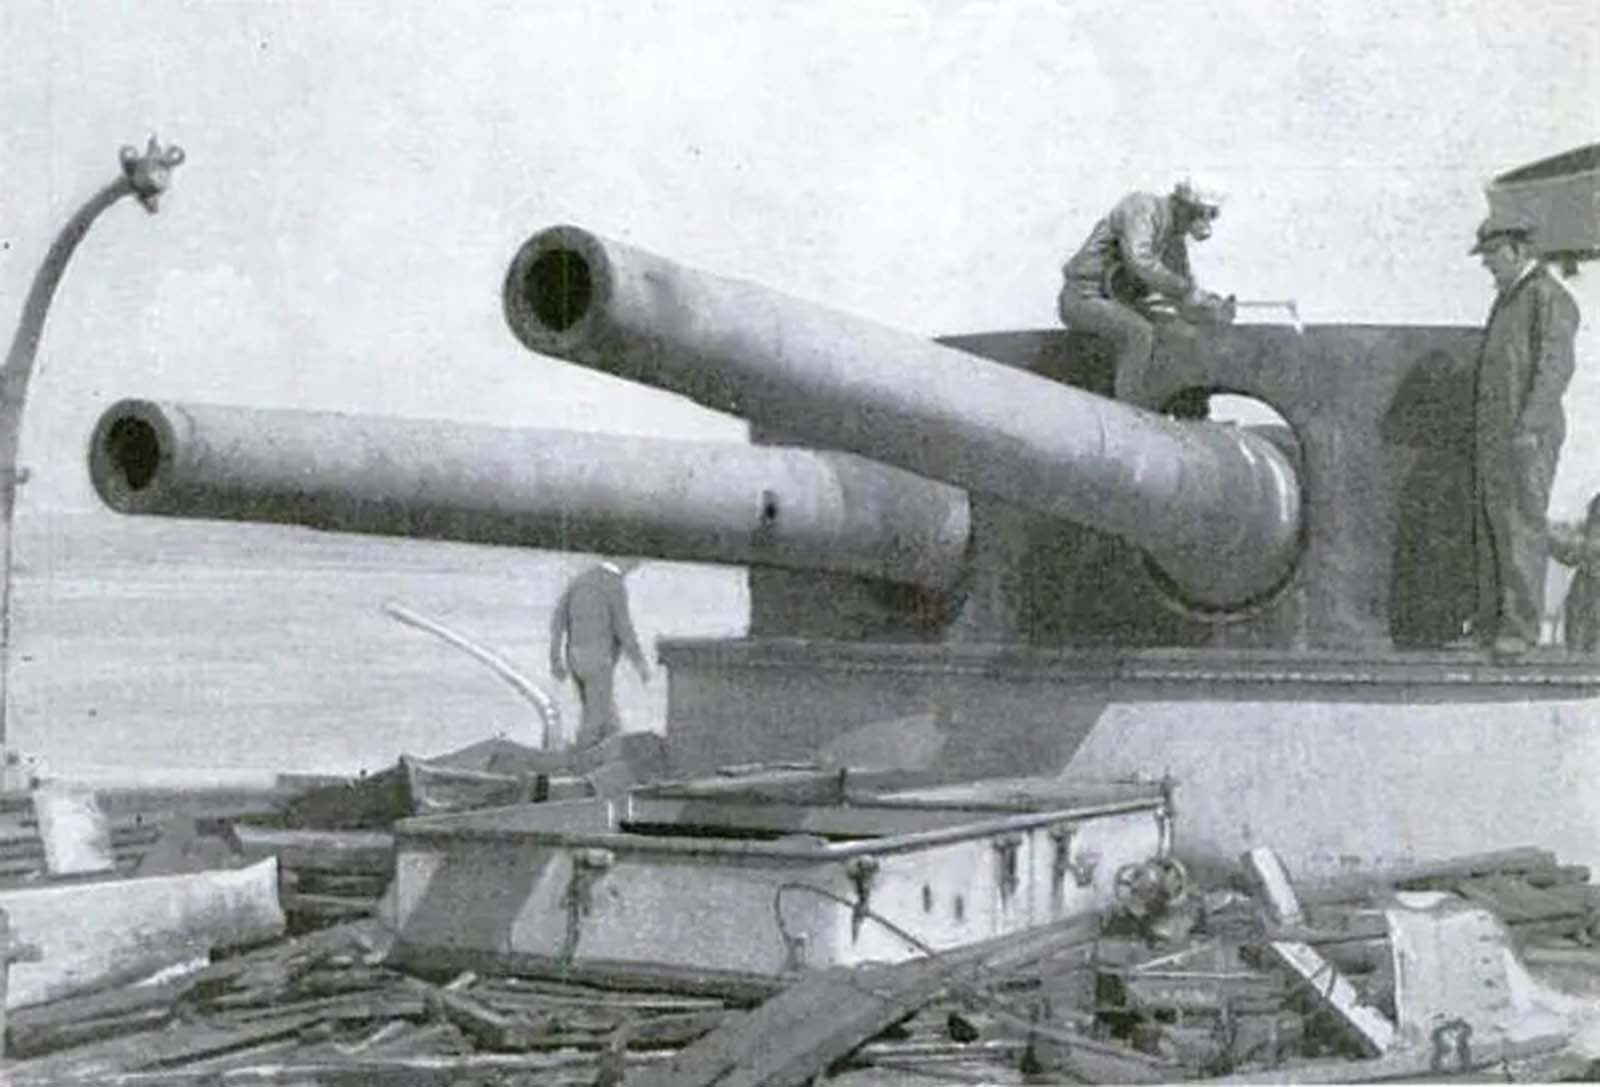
1138,254
591,628
1524,365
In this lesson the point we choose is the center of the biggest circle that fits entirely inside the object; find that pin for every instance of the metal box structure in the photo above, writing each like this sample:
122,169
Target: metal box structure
720,887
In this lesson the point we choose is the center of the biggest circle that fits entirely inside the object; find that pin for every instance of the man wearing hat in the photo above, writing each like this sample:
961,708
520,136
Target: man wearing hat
1524,364
1136,255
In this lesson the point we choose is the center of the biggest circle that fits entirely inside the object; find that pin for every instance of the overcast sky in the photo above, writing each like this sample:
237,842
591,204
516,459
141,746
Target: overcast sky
359,174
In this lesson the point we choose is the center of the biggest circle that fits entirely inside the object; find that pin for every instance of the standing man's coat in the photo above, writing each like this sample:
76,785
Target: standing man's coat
590,629
1524,366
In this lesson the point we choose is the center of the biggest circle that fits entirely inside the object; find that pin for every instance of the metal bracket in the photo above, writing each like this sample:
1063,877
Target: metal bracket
1167,814
862,872
1082,869
588,865
1441,1045
149,174
1007,850
796,952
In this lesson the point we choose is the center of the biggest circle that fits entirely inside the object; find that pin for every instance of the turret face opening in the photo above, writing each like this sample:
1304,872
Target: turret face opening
133,449
558,289
1226,406
1277,462
1255,414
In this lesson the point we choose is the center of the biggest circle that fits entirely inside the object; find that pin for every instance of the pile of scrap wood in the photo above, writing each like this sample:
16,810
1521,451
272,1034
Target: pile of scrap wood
323,875
1262,981
322,1007
333,843
1255,984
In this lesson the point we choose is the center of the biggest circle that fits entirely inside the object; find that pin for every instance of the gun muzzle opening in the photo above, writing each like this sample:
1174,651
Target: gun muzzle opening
130,447
134,449
557,288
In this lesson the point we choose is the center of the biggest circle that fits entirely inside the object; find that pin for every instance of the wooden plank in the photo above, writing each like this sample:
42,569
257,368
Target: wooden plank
440,1070
1363,942
45,1027
797,1034
388,1032
157,1049
1201,991
281,960
19,870
645,1032
485,1026
1058,1054
122,839
1270,881
330,980
327,907
315,881
569,993
254,1054
1490,1055
1365,925
1374,1032
677,1030
1587,958
806,1028
349,851
740,988
1560,876
1529,912
1007,1049
26,1042
348,1006
1521,860
1582,895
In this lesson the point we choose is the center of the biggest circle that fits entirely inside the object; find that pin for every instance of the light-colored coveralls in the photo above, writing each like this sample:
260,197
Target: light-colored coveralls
590,629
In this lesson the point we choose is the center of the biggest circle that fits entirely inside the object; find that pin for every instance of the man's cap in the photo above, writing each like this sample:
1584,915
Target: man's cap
1199,191
1504,225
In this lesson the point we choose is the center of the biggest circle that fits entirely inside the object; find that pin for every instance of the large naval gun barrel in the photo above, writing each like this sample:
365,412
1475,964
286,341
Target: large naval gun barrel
1216,507
694,501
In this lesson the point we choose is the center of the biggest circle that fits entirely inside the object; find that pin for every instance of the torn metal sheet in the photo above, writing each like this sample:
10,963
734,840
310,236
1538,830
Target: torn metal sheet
1459,984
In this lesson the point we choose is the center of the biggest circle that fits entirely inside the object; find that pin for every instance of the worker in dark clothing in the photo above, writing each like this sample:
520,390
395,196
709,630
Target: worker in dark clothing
590,629
1524,365
1136,256
1578,546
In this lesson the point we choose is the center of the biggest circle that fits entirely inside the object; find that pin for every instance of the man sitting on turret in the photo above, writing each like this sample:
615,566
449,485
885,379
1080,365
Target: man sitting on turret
1136,255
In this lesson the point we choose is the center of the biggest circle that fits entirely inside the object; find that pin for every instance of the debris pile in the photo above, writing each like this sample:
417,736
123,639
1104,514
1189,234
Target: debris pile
323,1005
1240,976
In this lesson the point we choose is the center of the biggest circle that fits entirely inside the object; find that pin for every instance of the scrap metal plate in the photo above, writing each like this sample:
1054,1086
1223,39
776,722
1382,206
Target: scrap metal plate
706,886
